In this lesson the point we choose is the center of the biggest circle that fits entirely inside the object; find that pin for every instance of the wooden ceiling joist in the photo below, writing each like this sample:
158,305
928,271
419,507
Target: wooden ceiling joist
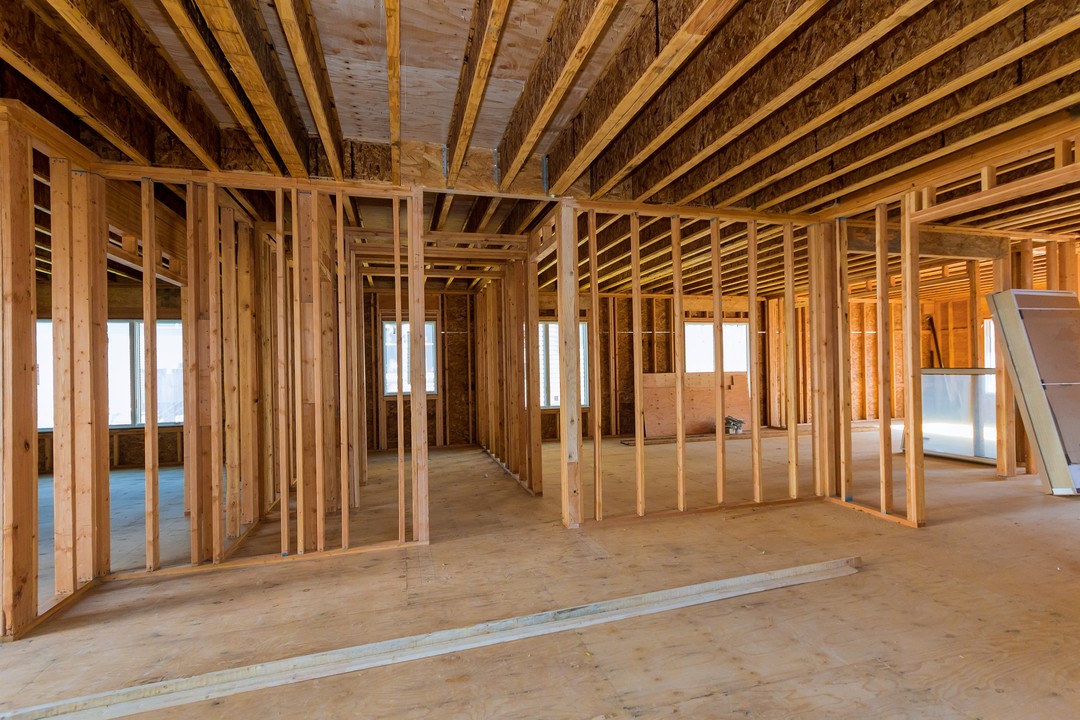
237,27
936,97
754,30
191,25
653,51
393,80
45,57
576,28
929,41
489,17
303,38
1024,129
111,32
836,36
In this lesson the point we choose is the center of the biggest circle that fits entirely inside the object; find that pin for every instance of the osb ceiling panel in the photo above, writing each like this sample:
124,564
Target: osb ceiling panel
177,52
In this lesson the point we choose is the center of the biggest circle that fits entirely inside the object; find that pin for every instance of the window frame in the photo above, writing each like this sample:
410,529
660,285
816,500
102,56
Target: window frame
406,392
544,373
727,321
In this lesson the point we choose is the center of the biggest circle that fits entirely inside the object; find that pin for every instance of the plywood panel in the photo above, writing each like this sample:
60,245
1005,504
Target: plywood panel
700,408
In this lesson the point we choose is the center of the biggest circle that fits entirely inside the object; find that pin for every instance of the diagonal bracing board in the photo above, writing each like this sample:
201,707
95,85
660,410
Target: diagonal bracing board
1040,332
187,690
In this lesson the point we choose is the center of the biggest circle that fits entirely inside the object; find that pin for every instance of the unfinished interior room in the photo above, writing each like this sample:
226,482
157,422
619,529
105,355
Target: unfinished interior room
539,358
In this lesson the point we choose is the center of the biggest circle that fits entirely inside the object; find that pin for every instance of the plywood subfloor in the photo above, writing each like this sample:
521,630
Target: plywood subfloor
971,617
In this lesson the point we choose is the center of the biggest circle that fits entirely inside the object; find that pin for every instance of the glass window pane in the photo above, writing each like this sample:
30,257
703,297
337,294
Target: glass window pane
699,347
390,364
736,347
44,375
170,372
549,364
121,403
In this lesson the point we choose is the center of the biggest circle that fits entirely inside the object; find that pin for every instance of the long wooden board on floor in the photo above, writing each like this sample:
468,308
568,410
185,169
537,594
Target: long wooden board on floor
224,683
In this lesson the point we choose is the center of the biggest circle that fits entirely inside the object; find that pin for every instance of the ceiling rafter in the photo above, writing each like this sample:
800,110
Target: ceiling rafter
393,80
44,56
577,26
237,27
200,40
785,75
302,36
633,76
754,30
111,32
927,42
964,83
489,18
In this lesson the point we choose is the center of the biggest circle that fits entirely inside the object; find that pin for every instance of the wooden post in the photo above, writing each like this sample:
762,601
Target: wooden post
18,394
843,361
823,356
284,455
65,579
680,362
973,313
231,368
596,405
532,368
248,377
718,359
639,390
569,367
791,363
195,327
884,359
344,370
912,329
150,405
305,336
754,374
400,351
360,368
418,396
318,394
217,422
1004,399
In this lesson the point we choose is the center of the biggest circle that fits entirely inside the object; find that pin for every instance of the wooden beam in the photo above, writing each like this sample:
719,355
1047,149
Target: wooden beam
596,404
679,357
929,39
200,40
282,404
18,385
754,369
393,79
912,329
884,363
115,35
532,368
489,16
1049,180
932,95
216,440
791,71
43,55
238,28
345,369
576,28
843,350
791,370
417,363
646,61
569,368
150,404
302,34
639,388
718,360
754,30
64,410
